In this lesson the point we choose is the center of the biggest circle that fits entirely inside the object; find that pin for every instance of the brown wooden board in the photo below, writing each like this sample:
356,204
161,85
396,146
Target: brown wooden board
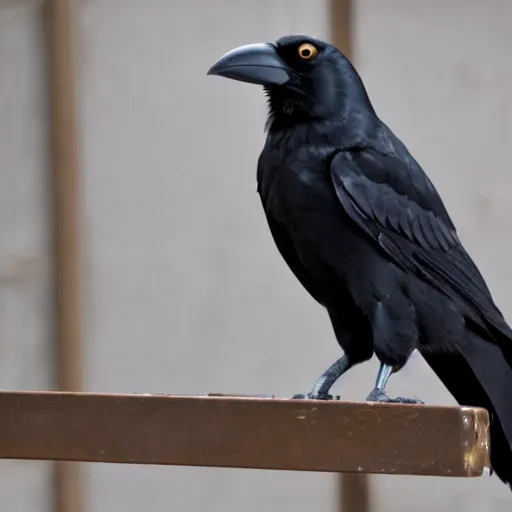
244,432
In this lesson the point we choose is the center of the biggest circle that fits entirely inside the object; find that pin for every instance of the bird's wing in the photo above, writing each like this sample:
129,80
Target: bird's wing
398,208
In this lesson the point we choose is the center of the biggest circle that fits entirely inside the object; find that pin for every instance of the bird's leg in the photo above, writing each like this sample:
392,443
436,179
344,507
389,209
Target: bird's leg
325,382
379,395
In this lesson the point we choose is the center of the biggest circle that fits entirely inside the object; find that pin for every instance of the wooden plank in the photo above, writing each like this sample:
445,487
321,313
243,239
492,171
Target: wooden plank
66,200
245,433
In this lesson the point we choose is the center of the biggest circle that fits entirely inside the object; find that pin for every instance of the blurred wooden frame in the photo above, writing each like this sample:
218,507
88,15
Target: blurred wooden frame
205,431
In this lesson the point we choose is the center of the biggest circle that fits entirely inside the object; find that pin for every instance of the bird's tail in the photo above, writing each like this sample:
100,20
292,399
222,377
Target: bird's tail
480,375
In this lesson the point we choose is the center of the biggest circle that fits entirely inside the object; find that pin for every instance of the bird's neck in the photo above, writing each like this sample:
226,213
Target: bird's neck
347,108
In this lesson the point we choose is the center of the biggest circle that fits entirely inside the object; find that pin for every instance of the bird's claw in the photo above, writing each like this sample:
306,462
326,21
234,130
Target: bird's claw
314,396
377,395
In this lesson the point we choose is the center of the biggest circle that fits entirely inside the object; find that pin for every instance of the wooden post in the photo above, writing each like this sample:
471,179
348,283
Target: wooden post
353,487
66,201
341,26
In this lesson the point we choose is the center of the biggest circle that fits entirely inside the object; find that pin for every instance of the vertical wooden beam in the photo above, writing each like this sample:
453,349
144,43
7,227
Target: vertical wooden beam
67,210
353,488
353,493
341,26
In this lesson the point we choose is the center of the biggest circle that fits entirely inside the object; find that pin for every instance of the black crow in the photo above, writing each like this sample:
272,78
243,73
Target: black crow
364,230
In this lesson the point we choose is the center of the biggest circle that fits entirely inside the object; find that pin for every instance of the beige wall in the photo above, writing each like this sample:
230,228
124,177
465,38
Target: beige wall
186,292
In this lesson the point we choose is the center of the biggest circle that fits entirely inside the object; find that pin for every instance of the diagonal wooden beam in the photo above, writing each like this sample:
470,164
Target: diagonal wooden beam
245,433
60,18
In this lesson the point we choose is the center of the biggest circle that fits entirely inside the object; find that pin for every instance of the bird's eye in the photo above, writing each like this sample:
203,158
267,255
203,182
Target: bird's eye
307,51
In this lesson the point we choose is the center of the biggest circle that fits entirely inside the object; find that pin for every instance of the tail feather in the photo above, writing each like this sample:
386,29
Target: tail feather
481,376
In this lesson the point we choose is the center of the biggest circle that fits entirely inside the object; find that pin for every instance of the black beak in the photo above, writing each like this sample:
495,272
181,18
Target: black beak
253,63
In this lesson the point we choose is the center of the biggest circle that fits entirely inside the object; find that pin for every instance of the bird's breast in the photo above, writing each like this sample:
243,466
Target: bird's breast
295,180
298,193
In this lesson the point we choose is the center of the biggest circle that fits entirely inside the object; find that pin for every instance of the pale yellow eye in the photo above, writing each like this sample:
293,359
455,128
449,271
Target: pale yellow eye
307,51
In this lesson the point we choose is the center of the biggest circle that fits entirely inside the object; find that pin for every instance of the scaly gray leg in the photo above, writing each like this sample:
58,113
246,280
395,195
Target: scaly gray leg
325,382
378,394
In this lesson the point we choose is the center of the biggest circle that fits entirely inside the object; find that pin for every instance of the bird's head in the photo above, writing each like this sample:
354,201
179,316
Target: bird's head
304,78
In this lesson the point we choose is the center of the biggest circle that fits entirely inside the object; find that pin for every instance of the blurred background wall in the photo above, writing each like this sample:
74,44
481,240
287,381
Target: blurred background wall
184,289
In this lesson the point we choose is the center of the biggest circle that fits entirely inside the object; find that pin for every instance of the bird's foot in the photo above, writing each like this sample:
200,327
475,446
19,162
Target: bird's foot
314,396
377,395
